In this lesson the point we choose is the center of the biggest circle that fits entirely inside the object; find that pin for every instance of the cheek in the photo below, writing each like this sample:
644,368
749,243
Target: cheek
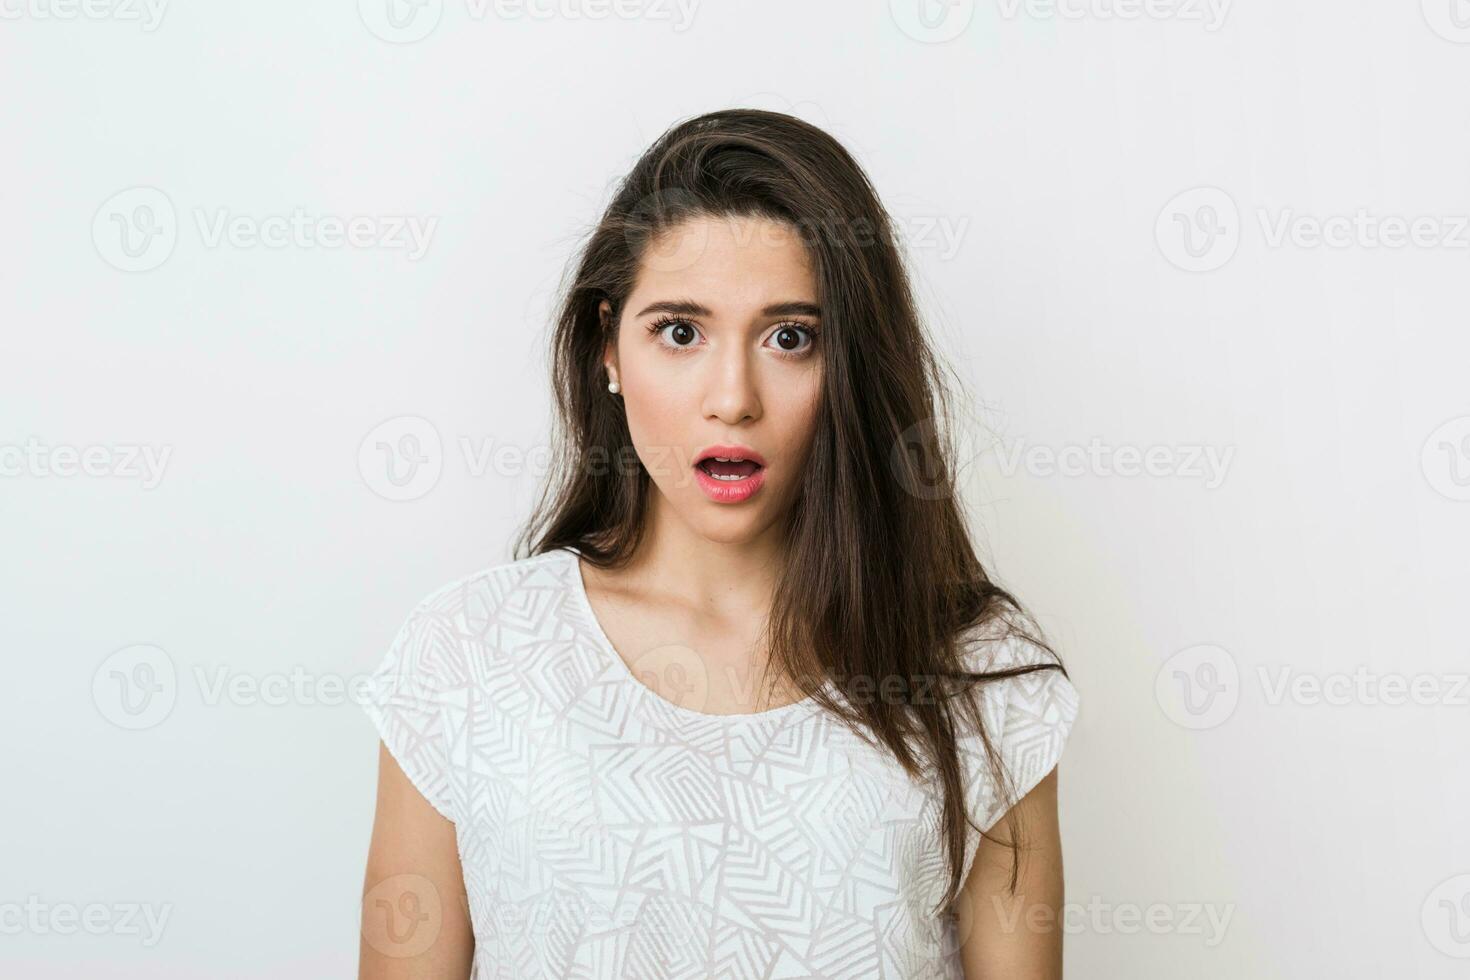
795,410
802,395
658,415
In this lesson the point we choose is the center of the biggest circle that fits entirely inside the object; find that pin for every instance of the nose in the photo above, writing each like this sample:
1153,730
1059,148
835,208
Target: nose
730,391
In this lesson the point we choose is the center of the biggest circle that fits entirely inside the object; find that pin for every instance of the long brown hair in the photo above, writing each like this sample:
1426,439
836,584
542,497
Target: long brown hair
880,584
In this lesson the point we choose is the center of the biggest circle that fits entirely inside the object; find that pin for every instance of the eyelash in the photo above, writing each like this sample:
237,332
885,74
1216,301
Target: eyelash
669,320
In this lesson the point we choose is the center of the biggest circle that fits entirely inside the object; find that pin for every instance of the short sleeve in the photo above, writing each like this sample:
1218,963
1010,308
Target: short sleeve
407,697
1028,718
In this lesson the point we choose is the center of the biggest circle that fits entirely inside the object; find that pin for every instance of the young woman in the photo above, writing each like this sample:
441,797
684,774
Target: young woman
748,705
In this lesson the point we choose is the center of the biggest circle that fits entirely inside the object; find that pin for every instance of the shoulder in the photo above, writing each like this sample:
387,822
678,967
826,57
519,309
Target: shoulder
477,610
1022,666
465,602
1028,675
994,645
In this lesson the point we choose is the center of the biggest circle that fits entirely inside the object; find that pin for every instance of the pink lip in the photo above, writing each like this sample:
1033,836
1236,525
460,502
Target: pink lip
730,491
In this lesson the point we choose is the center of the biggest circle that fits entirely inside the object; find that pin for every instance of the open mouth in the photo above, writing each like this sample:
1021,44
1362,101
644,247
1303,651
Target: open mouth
729,474
728,468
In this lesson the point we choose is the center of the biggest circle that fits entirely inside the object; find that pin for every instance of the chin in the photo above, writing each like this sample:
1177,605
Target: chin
725,524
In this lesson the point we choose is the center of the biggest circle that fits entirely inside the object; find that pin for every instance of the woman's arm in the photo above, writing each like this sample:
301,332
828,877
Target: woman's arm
415,920
1017,937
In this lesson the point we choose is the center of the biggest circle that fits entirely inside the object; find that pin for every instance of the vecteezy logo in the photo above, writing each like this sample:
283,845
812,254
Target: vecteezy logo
1199,230
1198,687
932,21
1445,459
402,915
401,21
402,458
136,687
675,673
135,230
1450,19
1445,917
918,462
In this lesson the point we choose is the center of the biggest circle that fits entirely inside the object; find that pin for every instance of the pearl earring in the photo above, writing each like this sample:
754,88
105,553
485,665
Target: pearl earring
614,387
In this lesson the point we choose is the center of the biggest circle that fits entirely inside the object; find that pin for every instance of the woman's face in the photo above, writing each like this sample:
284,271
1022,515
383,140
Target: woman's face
717,355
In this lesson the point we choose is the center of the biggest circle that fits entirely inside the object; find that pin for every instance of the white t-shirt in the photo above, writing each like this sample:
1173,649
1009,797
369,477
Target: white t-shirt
605,831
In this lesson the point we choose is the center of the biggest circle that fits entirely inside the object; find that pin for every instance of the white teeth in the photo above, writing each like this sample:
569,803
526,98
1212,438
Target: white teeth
725,459
727,477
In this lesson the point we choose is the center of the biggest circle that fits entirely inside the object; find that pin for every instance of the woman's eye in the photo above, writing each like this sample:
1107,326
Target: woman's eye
792,339
677,333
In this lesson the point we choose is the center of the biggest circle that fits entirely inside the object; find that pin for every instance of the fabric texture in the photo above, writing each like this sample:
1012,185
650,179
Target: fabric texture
605,831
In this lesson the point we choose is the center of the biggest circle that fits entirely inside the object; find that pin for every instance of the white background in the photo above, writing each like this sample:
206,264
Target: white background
1050,145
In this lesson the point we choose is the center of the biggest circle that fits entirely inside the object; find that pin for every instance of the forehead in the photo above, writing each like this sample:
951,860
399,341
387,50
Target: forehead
726,263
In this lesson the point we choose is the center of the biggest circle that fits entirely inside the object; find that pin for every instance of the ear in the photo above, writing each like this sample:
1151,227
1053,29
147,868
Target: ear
610,347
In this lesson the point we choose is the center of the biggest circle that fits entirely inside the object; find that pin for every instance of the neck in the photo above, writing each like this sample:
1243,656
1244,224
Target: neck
713,575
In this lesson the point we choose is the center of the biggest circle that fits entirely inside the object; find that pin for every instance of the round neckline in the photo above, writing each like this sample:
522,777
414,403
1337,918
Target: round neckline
625,673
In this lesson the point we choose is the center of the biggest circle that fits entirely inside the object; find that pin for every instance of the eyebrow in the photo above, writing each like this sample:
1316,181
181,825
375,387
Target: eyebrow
687,307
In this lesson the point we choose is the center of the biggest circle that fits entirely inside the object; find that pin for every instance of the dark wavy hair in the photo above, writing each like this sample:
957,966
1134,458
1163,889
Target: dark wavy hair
881,587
